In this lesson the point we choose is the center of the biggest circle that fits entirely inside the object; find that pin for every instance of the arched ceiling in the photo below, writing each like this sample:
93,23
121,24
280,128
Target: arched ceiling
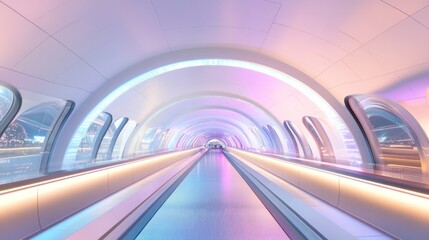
72,49
75,47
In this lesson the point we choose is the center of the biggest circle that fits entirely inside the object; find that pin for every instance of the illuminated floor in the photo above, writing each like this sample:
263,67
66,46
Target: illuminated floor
213,202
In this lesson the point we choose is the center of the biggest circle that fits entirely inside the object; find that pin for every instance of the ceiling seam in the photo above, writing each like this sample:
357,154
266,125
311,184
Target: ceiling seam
410,99
350,36
269,29
312,34
352,70
318,37
396,71
378,76
160,25
143,96
410,16
394,7
39,78
29,52
61,43
358,48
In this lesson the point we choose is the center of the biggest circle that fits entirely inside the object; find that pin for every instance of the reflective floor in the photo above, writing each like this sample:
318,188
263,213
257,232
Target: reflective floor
213,202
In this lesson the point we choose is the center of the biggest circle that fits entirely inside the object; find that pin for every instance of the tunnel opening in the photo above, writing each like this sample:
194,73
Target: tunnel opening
215,143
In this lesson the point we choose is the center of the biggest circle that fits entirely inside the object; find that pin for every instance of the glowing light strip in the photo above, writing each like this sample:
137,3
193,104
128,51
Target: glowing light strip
298,85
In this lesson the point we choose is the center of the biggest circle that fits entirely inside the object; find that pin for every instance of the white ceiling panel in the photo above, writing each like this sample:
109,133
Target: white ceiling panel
18,37
248,14
48,61
408,7
132,105
364,65
82,76
423,16
131,97
352,18
131,18
65,13
121,52
306,52
414,78
414,72
25,82
363,21
336,75
366,86
402,46
34,9
215,37
317,18
134,37
86,34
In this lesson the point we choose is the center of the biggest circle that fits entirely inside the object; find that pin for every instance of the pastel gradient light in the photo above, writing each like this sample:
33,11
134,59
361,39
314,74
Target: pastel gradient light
329,112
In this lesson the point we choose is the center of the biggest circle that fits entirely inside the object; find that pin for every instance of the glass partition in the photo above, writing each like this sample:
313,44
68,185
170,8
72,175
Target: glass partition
121,142
26,142
91,141
395,137
10,103
275,138
297,137
102,153
321,138
6,101
109,139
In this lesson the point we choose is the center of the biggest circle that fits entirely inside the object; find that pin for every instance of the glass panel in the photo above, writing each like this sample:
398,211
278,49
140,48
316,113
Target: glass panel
103,151
88,144
22,145
275,138
122,140
296,135
6,101
396,139
109,139
321,138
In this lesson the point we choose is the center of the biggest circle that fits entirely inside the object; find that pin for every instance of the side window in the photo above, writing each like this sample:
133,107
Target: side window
26,142
321,138
109,139
395,137
10,103
122,140
275,138
91,140
295,134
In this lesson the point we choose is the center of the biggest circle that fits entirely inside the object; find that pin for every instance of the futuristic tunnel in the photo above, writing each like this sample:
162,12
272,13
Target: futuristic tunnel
214,119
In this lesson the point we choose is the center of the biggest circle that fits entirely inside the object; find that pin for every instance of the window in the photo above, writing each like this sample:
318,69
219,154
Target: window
295,134
395,137
26,142
275,138
10,102
109,139
90,142
321,138
122,140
